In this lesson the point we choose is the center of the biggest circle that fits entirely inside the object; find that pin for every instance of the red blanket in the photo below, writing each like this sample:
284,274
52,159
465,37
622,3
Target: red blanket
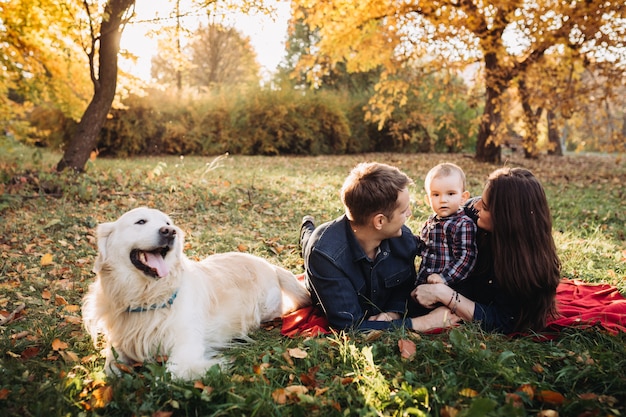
579,304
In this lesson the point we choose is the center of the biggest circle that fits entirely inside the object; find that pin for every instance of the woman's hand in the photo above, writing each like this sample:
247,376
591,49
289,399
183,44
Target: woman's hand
439,318
429,295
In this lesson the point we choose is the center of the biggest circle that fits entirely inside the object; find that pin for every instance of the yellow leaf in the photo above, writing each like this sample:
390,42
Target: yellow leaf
46,259
101,396
468,392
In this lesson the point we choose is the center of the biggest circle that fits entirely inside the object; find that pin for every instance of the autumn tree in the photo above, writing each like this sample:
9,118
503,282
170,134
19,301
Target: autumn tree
102,24
40,61
505,36
222,55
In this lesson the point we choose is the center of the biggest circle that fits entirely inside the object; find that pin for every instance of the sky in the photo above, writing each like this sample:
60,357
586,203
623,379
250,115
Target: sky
267,36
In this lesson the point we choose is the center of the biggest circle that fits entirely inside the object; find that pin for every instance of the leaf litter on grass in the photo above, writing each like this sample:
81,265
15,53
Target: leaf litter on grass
48,247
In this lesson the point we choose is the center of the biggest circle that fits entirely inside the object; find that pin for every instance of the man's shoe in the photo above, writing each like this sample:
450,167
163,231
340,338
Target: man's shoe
306,228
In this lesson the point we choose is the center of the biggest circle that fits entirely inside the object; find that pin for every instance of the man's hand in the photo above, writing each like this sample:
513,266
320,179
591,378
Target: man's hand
388,316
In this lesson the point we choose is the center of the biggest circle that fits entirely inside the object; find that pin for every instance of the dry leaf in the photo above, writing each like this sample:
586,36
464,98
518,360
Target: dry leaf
514,399
69,356
46,295
407,348
4,393
296,389
101,396
548,413
297,353
258,369
538,368
58,345
468,392
551,397
373,335
242,248
46,259
528,390
59,300
30,352
447,411
279,396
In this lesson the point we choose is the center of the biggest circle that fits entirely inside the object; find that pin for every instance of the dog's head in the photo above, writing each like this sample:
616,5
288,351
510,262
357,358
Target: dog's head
143,239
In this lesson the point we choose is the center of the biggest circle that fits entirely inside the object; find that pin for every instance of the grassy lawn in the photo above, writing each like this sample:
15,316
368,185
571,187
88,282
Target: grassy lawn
49,367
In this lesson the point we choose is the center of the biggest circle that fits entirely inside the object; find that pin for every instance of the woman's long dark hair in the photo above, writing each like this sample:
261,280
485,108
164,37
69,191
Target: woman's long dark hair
526,263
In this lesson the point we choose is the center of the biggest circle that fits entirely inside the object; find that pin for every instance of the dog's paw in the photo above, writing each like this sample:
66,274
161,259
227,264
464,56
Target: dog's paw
188,371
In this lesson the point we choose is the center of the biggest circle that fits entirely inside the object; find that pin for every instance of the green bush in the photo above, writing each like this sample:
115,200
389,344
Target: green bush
264,121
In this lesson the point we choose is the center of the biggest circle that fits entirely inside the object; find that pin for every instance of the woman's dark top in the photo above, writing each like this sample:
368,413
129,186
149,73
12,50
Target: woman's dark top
495,310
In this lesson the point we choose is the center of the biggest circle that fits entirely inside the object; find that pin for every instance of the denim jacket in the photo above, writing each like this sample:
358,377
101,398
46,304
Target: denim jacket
349,287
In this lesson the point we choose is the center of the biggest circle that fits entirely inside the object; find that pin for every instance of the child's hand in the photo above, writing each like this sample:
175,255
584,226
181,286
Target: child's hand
435,279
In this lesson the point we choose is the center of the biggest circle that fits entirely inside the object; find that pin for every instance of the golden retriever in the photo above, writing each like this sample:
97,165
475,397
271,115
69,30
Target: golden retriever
150,300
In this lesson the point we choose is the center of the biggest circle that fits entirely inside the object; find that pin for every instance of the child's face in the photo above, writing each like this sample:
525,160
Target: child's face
446,195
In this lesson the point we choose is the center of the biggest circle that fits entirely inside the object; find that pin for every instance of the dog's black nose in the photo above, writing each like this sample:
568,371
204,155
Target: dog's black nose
167,231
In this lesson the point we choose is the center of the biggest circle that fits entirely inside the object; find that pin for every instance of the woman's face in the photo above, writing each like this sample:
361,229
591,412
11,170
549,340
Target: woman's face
484,217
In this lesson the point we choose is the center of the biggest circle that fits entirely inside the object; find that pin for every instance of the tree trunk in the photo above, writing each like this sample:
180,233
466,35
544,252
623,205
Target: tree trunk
86,136
554,138
486,148
531,118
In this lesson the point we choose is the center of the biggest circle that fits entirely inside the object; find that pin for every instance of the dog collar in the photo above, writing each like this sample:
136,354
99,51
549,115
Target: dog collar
168,303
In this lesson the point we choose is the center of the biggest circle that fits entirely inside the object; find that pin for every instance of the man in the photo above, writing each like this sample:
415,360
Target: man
360,267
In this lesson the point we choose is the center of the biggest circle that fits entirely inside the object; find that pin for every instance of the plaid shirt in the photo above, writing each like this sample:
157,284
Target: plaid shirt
448,247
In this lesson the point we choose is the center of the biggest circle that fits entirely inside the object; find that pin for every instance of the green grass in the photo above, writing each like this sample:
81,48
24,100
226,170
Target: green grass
48,366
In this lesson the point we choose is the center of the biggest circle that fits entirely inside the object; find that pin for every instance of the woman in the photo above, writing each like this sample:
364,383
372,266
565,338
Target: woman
513,286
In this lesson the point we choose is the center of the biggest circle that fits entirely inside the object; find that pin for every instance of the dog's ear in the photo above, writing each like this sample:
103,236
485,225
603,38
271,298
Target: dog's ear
103,232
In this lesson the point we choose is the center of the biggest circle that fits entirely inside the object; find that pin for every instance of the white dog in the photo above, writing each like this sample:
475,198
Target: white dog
150,300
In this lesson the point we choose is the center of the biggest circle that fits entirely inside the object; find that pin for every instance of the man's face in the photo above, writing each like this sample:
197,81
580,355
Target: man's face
393,225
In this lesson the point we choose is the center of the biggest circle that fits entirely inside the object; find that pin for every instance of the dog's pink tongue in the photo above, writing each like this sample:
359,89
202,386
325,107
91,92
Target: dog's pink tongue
156,261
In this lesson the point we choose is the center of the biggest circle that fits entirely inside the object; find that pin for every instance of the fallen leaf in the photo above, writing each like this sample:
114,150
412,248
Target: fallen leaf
69,356
279,396
4,393
448,411
101,396
59,300
46,259
297,353
514,399
373,335
527,389
46,295
407,348
258,369
468,392
58,345
548,413
30,352
551,397
242,248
